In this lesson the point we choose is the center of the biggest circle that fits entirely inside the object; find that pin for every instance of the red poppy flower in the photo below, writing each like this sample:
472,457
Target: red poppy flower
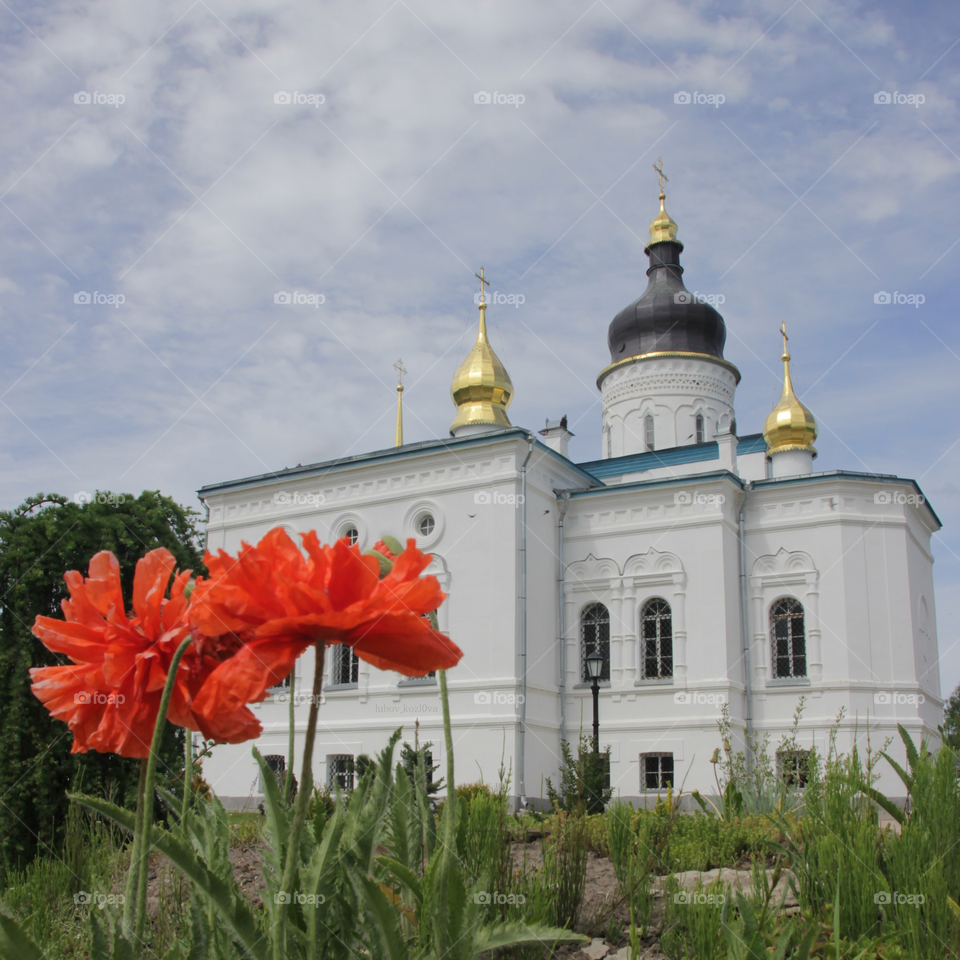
110,695
284,602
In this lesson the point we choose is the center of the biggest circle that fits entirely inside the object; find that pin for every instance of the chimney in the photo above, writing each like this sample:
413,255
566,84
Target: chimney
556,436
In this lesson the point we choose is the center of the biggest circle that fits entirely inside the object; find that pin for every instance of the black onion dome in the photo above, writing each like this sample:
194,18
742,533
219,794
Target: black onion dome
666,317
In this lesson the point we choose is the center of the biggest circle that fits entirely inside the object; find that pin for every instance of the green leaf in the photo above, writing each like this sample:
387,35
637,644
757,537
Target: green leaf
510,934
14,943
912,756
405,875
225,897
885,803
383,917
278,818
393,545
901,773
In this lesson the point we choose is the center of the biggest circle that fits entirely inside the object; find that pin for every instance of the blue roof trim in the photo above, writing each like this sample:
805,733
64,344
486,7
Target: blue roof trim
659,482
754,443
377,456
639,462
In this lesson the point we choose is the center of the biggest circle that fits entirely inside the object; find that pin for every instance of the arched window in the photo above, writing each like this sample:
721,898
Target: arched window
648,432
656,639
699,421
789,640
594,635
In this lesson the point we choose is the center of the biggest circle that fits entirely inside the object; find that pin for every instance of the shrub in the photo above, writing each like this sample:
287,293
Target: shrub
582,780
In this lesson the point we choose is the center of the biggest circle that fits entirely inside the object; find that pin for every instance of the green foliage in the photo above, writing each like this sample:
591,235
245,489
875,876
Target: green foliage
581,780
42,538
951,720
414,761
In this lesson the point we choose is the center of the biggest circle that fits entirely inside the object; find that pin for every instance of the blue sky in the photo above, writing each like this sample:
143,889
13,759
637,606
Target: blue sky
198,198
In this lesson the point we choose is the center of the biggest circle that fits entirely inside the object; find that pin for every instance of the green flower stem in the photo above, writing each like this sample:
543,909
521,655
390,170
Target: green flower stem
187,776
449,822
146,801
291,720
299,810
130,890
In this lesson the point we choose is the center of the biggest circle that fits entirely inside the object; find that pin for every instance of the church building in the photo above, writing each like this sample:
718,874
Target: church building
706,567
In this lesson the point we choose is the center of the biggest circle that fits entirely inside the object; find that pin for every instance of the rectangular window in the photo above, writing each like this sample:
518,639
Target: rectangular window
794,767
340,772
283,685
648,433
278,767
346,665
656,771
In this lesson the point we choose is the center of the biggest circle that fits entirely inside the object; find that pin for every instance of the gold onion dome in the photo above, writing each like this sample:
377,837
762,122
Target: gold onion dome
481,388
662,226
790,425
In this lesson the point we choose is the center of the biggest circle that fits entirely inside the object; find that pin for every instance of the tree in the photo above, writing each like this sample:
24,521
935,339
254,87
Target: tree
583,780
951,720
40,540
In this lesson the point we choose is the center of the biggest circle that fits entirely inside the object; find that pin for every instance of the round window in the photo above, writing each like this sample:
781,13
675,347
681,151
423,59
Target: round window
426,525
352,534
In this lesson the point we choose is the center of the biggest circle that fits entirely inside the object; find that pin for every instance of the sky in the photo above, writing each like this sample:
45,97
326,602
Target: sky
168,170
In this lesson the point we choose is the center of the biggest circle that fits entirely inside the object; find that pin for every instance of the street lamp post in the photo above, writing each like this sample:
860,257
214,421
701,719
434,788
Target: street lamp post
594,669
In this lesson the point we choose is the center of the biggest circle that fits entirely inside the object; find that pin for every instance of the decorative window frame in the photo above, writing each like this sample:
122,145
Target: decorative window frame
413,517
338,526
774,576
643,577
584,606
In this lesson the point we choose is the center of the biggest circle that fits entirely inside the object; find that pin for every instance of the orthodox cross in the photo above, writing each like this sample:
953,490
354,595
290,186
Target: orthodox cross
658,167
401,370
483,282
783,331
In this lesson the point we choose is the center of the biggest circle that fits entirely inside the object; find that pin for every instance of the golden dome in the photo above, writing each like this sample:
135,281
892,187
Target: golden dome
790,425
662,226
481,388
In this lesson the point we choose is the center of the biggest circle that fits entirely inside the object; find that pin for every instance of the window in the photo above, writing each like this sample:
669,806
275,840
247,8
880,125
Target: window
340,772
594,635
656,771
699,423
346,665
648,432
277,765
281,686
656,639
794,767
789,646
426,525
352,534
